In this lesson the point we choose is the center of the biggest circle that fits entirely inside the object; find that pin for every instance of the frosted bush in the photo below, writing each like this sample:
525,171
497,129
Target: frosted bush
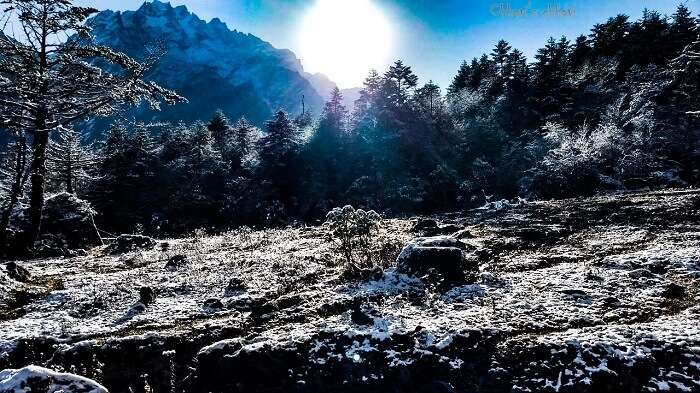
353,230
577,158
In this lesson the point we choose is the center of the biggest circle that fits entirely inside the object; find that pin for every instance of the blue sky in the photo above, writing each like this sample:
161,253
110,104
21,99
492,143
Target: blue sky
433,36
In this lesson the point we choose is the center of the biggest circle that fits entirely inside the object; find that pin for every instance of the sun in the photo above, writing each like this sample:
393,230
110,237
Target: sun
344,39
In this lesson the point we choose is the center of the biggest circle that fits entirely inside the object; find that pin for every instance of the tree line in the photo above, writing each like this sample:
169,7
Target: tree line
617,108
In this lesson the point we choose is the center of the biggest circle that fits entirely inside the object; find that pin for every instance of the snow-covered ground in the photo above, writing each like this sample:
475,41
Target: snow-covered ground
602,284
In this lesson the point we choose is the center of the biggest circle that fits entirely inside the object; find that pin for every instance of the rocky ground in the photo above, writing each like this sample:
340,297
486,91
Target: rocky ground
581,295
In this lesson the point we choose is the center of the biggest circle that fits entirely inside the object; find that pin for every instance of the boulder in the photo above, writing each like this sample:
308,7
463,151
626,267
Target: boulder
146,295
611,301
39,379
21,297
359,317
235,285
71,218
674,291
175,262
424,224
126,243
51,246
440,255
575,294
213,304
17,272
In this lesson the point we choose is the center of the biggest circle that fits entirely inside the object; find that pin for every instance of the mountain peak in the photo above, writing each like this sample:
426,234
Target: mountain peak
160,9
216,23
155,6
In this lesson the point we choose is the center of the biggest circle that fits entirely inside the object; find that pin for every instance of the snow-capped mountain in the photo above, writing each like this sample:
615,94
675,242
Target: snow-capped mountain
213,66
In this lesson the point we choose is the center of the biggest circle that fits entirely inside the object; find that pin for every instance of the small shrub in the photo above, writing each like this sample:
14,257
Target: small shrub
353,230
388,252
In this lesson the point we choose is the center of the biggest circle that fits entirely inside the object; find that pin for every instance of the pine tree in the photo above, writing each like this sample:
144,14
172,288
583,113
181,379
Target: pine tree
482,69
49,81
334,112
364,112
198,181
499,71
70,160
244,136
682,30
461,80
499,57
609,38
431,109
399,79
367,134
112,159
127,186
326,153
403,75
304,119
140,147
13,164
551,88
516,64
580,53
512,104
648,41
277,151
331,126
280,140
372,84
220,130
202,158
429,100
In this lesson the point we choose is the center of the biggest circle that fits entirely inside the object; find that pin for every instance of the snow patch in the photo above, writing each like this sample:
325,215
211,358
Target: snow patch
17,381
392,283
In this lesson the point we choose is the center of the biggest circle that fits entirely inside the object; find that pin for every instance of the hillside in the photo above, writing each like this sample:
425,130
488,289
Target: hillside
597,294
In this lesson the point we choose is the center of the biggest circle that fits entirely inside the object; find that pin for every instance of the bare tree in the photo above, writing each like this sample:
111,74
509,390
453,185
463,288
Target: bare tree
52,74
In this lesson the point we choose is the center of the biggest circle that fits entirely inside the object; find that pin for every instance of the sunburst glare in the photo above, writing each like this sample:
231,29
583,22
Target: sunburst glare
344,39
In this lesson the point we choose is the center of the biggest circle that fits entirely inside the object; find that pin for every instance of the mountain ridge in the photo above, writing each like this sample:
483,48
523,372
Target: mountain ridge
213,66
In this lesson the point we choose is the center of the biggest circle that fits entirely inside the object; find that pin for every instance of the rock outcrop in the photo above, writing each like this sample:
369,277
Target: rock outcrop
127,243
440,256
67,225
71,219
